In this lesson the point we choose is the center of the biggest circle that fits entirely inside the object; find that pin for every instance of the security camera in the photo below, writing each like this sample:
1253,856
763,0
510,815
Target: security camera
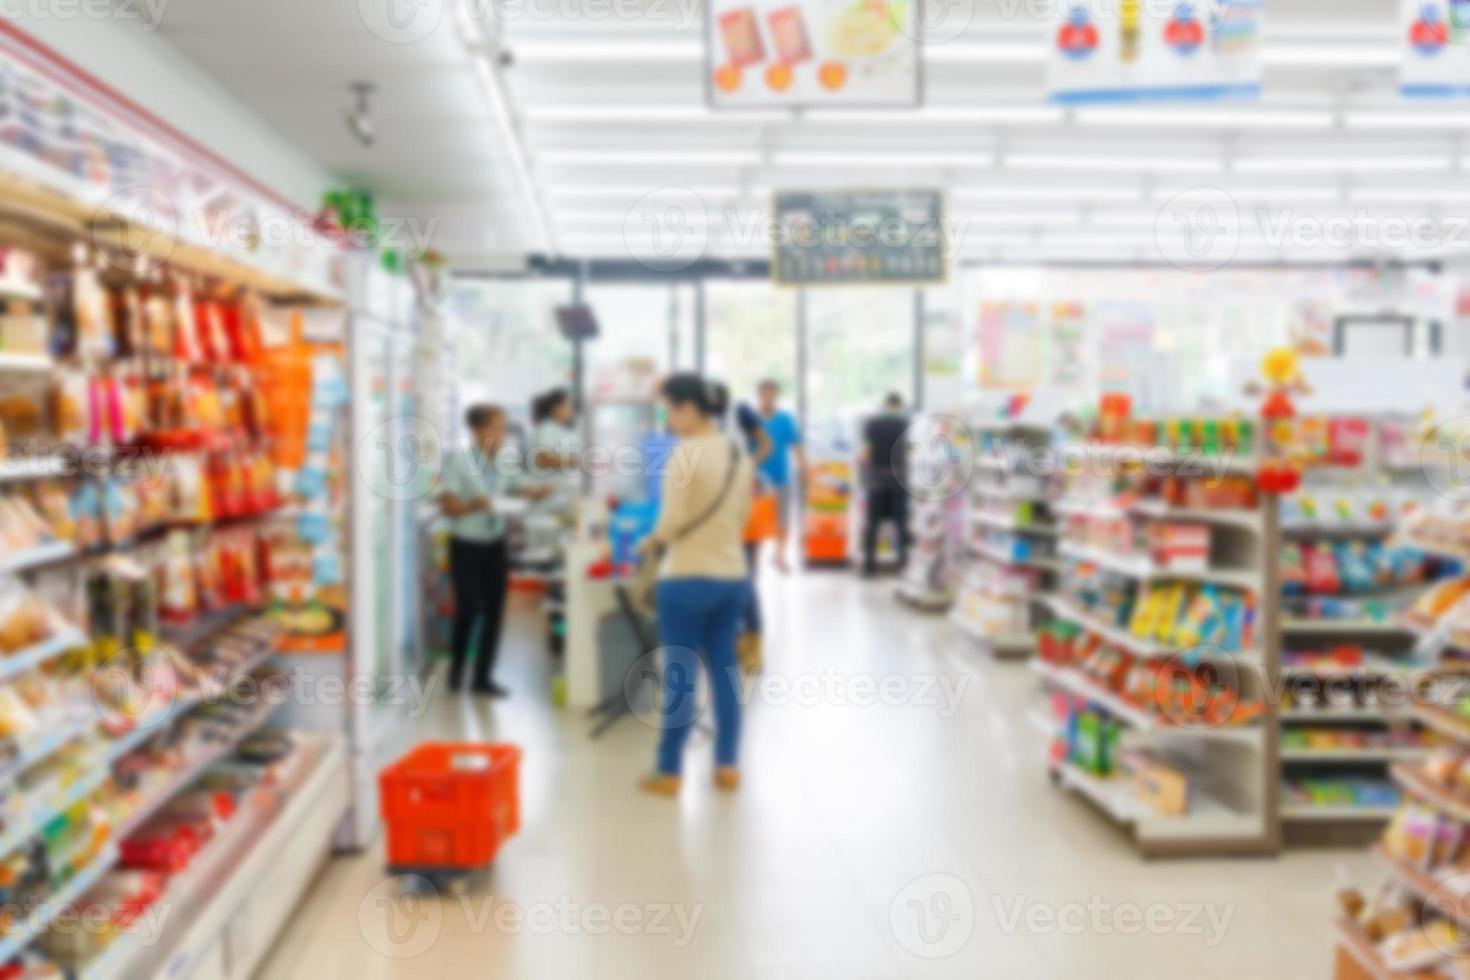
359,117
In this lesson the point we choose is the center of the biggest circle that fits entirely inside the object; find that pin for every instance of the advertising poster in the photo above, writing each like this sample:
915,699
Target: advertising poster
769,53
1068,344
1145,50
854,237
1125,346
1436,45
1009,339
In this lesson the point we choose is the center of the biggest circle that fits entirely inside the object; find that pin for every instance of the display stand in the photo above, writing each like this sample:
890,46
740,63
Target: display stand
1009,544
937,449
1188,778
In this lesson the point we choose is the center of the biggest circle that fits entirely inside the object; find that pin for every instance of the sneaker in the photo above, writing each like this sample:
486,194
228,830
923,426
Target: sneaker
661,784
490,689
727,778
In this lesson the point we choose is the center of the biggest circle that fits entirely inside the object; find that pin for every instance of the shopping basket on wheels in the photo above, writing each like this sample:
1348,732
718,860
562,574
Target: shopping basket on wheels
448,808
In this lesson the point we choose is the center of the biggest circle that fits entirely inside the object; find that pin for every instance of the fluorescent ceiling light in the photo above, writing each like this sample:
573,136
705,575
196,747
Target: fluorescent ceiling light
1404,119
1291,195
981,52
1010,195
965,240
1410,195
1113,164
583,112
1038,114
500,112
619,217
988,219
634,191
893,158
1204,117
642,158
1327,164
1313,54
583,51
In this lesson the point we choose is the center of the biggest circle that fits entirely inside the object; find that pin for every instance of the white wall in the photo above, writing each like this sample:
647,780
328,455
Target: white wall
143,66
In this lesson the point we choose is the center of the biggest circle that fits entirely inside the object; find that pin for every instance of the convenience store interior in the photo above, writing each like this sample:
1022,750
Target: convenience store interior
1159,669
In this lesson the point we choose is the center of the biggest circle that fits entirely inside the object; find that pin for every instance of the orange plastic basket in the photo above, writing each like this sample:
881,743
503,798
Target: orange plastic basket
449,805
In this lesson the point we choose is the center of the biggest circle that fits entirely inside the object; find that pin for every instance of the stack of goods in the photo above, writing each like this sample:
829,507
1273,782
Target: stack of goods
1445,607
1365,509
1118,492
1350,740
1443,528
27,619
1175,615
1408,937
1172,693
1009,511
1339,792
39,709
1013,547
1333,567
1114,425
1161,545
1344,659
1090,741
995,599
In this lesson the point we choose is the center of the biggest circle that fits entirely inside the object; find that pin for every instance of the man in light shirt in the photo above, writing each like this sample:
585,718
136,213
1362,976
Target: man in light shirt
479,566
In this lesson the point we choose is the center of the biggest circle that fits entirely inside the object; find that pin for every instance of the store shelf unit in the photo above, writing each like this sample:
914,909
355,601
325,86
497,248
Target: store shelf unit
1008,534
1229,764
937,446
1350,662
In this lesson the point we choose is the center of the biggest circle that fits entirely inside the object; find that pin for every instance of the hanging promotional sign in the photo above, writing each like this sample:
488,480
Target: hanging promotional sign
776,53
1436,39
1146,50
855,237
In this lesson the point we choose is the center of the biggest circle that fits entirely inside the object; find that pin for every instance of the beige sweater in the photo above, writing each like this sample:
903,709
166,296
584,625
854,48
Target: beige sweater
696,471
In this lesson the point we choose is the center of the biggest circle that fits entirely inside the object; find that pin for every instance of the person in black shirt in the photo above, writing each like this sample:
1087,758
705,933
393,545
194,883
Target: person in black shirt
883,463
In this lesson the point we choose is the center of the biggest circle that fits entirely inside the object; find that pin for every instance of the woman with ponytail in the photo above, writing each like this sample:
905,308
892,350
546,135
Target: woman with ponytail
702,577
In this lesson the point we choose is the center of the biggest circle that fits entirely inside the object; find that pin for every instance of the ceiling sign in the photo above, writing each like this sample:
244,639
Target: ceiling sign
856,237
774,53
1436,40
1151,50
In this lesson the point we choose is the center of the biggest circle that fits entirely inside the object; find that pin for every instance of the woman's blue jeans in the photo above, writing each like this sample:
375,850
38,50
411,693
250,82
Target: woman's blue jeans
699,616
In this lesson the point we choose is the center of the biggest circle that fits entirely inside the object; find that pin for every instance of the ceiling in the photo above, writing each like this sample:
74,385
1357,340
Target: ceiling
606,110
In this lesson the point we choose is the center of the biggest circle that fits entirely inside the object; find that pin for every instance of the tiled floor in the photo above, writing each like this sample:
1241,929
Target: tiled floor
905,829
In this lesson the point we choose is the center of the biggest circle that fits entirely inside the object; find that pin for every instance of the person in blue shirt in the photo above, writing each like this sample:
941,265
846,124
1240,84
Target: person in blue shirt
777,471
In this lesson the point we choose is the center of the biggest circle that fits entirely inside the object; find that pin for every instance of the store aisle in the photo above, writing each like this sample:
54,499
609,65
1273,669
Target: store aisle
890,770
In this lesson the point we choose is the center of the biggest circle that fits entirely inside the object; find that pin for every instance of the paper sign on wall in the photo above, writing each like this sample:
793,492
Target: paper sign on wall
1436,46
764,53
1143,50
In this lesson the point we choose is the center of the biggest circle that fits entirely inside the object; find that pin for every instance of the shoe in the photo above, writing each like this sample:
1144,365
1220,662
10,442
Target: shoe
490,689
661,784
749,653
727,778
456,684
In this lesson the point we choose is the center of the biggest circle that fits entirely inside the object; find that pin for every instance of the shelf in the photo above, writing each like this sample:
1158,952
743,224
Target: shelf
1011,524
1020,642
1354,756
1445,722
229,871
1146,571
1338,529
15,664
24,363
25,829
1306,813
46,554
1117,636
1157,510
1001,556
1344,627
34,922
1352,941
1137,718
44,747
1163,456
1013,496
1414,782
1446,902
34,468
1208,819
1307,716
1113,796
180,781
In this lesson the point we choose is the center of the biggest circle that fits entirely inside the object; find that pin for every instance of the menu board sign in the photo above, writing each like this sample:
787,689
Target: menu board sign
1436,58
1145,50
855,237
769,53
